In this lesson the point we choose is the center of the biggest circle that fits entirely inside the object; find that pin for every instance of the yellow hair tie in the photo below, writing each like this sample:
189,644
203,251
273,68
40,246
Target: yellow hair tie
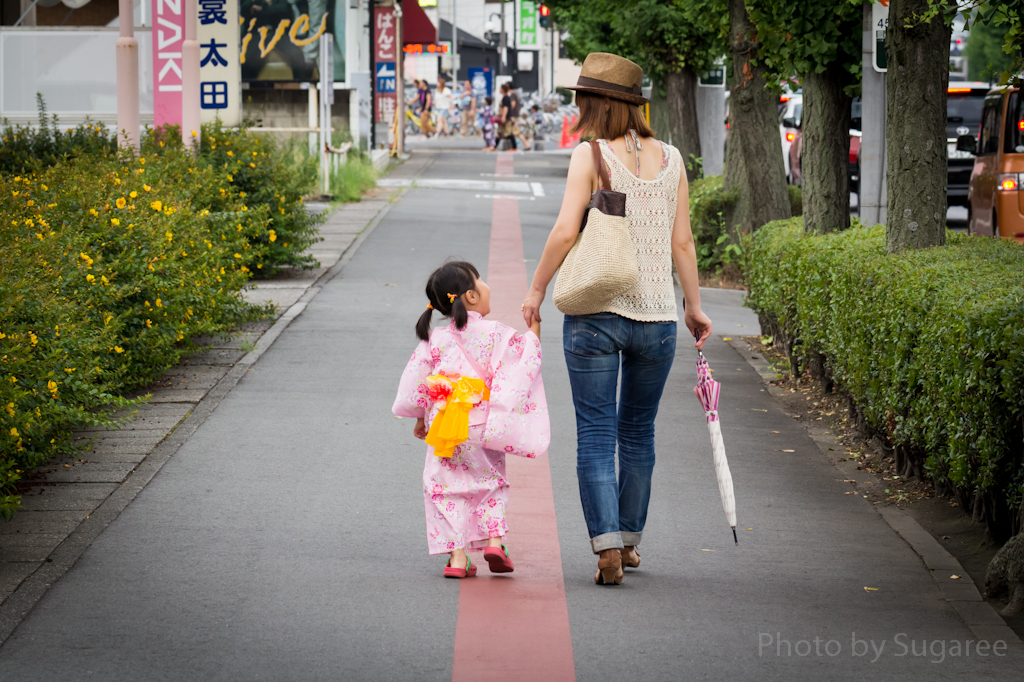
451,297
430,306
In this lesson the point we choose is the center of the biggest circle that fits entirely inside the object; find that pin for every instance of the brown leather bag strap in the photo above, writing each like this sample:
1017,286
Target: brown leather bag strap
604,182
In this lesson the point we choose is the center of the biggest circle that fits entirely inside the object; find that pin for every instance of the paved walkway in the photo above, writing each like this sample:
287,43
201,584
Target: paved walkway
284,539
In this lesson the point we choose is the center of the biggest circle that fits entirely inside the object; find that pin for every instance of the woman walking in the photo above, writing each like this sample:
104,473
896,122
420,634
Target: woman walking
636,332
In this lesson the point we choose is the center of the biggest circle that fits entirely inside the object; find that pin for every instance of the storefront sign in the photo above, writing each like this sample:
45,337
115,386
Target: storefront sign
385,53
281,40
528,25
168,36
220,74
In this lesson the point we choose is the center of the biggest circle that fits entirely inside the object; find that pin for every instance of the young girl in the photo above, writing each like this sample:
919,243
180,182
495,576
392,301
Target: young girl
487,125
475,390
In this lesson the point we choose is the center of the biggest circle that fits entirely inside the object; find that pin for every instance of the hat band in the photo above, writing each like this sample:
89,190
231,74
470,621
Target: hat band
585,82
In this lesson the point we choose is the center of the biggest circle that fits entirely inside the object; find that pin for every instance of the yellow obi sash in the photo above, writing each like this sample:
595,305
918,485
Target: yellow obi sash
451,425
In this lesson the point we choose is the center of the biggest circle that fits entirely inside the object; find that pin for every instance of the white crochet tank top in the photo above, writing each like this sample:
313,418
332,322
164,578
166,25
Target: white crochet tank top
651,211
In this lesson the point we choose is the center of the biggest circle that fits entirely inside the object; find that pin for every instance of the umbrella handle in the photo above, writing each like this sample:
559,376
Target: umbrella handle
696,337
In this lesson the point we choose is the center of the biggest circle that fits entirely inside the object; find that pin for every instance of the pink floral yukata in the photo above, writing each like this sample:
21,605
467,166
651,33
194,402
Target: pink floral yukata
466,495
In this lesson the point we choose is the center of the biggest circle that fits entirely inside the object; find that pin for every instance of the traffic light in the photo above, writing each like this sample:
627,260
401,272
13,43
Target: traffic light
545,16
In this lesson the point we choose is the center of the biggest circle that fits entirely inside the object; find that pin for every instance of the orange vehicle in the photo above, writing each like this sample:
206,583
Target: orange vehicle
996,193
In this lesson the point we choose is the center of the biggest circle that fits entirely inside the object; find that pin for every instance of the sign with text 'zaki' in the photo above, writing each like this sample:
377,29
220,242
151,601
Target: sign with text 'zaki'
168,36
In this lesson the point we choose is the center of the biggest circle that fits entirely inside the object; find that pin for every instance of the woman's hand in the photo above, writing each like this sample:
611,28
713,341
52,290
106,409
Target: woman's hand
420,430
699,325
531,306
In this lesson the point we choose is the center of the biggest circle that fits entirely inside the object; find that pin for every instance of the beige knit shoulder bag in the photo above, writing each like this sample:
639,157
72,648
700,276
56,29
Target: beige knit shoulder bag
602,263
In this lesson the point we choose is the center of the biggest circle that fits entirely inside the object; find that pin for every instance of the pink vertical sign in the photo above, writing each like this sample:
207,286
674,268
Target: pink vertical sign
168,36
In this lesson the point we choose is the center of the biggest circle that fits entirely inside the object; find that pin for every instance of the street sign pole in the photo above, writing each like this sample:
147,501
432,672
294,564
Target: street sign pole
326,100
871,194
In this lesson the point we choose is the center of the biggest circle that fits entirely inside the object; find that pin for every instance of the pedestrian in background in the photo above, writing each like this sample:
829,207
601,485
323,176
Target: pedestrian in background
475,389
467,107
443,105
636,332
488,125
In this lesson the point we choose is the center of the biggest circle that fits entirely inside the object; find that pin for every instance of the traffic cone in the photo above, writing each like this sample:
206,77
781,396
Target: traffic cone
566,141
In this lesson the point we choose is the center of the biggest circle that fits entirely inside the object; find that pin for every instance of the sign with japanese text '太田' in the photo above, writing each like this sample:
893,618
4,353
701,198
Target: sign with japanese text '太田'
385,52
168,36
220,73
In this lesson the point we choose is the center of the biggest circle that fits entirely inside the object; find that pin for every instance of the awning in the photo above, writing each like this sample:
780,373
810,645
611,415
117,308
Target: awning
416,26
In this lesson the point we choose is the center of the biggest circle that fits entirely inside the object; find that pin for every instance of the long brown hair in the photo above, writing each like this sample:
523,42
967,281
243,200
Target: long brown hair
607,118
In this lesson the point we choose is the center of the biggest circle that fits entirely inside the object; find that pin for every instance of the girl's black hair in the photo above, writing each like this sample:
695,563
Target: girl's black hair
455,278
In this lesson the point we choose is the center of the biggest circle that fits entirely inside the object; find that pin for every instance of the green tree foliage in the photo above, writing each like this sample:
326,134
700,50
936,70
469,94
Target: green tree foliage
985,57
1002,19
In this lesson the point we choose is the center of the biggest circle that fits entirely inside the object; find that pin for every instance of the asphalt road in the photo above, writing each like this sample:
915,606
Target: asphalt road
285,540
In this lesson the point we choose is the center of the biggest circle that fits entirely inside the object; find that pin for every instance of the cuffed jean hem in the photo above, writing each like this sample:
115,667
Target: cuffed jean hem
606,541
630,539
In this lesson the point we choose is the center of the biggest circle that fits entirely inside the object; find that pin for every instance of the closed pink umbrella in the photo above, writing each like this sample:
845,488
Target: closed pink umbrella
707,391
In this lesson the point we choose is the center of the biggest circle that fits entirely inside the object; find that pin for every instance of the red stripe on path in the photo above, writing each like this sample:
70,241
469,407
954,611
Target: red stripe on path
516,626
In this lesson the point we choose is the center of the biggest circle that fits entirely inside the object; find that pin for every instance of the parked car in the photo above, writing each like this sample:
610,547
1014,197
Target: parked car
995,196
790,127
963,117
789,131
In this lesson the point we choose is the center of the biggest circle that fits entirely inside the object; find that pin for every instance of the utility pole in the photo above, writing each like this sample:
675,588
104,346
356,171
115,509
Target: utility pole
455,45
502,43
399,81
373,75
127,78
191,124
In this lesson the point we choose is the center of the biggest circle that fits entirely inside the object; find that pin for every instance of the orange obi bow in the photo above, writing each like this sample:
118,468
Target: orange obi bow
451,425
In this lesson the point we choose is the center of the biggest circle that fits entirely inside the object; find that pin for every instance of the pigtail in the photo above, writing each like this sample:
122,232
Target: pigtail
445,288
423,325
459,314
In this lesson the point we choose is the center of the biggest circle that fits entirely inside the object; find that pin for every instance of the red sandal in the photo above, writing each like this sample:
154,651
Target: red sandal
451,572
498,560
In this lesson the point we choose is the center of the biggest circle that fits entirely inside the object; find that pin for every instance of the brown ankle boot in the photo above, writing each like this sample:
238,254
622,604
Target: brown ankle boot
630,557
609,568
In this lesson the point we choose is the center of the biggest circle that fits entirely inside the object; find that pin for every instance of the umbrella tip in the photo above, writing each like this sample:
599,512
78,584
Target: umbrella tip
735,539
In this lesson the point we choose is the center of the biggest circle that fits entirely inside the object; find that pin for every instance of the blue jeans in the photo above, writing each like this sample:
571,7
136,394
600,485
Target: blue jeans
616,510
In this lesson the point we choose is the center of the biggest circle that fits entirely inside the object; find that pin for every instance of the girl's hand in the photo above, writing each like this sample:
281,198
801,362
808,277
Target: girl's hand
699,325
531,306
420,430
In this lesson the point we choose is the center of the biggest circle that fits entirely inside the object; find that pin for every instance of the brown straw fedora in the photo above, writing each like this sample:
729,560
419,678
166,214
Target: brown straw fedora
612,76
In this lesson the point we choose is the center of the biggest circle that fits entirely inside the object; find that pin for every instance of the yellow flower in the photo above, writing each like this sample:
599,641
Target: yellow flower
157,205
69,370
14,432
245,208
230,153
159,303
90,279
252,165
52,385
44,187
230,179
104,279
147,188
149,323
10,409
142,160
33,338
120,203
94,211
31,203
273,236
133,194
238,255
115,221
118,349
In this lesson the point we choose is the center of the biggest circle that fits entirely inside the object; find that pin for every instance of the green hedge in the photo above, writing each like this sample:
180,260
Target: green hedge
710,205
929,345
108,267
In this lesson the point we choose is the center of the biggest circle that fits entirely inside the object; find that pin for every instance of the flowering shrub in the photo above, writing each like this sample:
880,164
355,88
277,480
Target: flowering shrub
260,173
108,266
929,345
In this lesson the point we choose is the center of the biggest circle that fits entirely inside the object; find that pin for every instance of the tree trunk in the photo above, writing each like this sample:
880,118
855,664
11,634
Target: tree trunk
825,153
753,154
660,113
916,128
681,91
